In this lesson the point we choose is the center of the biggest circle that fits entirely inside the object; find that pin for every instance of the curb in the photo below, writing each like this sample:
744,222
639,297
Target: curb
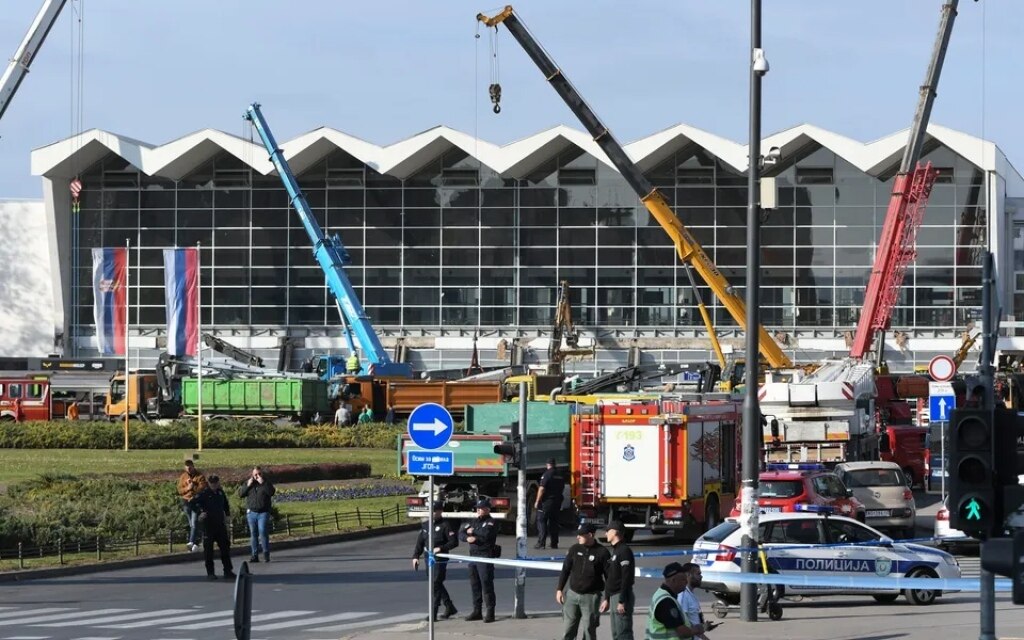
177,558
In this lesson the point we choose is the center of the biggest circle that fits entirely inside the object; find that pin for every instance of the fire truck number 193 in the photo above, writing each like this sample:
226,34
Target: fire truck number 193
632,434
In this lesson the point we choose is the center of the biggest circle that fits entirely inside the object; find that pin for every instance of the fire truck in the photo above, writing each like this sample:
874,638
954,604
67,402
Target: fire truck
32,398
667,465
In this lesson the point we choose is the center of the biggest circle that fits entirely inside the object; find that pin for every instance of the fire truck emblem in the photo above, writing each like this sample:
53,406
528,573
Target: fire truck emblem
629,453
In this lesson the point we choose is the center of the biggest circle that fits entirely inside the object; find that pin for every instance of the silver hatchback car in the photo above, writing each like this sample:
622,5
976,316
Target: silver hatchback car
885,491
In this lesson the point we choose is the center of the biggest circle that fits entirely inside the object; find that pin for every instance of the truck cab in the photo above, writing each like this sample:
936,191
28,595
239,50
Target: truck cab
140,397
906,445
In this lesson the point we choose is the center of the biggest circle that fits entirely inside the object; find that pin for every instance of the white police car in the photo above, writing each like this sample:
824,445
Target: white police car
789,540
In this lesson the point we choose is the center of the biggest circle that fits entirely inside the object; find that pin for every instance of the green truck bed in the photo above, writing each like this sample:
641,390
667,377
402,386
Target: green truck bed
256,396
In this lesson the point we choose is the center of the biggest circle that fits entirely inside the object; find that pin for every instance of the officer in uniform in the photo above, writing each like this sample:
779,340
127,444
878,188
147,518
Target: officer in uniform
548,504
481,535
583,572
445,539
665,618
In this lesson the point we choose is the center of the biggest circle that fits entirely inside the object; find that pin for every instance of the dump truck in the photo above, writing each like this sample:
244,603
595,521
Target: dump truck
480,472
296,398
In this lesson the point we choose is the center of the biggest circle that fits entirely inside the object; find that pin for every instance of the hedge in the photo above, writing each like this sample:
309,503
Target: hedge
181,434
278,473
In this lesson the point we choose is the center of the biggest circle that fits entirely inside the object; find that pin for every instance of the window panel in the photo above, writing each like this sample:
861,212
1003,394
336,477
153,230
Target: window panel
383,198
504,276
422,217
456,237
424,316
490,217
577,237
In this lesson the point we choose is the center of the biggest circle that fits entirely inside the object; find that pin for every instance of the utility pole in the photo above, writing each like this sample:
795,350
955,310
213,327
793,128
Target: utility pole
521,506
987,587
752,433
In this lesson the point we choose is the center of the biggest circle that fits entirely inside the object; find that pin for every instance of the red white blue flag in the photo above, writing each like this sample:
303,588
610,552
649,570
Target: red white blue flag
110,309
181,280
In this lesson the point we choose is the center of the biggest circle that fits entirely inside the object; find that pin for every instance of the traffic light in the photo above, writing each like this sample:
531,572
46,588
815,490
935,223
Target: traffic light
972,486
1003,556
512,448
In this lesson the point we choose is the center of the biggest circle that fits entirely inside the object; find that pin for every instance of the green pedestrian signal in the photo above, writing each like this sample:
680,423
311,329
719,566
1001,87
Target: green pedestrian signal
973,510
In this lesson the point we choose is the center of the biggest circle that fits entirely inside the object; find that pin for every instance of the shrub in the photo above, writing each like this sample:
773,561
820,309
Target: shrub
181,434
370,490
232,476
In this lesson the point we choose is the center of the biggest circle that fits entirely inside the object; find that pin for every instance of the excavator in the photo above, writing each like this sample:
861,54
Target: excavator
689,250
565,338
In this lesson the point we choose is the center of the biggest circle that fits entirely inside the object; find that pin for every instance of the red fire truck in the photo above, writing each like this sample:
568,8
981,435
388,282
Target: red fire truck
30,398
666,465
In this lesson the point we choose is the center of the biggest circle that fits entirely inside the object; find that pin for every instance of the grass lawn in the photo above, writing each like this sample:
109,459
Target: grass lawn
22,464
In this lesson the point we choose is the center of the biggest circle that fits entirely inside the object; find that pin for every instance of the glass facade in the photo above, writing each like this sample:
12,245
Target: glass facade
457,245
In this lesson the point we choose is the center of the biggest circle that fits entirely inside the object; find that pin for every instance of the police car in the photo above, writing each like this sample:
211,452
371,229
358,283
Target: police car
788,540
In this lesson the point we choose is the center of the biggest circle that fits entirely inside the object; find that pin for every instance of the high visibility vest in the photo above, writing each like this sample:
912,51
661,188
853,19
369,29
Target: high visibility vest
655,630
353,363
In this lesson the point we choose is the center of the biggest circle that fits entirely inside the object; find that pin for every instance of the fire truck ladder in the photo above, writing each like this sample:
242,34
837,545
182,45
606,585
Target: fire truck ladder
589,461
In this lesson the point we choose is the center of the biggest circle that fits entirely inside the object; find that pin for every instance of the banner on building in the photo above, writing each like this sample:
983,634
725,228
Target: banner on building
181,280
110,309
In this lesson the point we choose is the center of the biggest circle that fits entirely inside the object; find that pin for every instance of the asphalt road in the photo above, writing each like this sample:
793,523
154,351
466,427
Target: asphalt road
367,586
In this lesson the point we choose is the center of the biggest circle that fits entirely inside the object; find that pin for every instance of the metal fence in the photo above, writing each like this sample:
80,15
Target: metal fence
287,526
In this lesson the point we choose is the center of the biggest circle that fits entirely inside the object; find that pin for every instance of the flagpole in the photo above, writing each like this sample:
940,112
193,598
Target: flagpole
138,312
127,324
199,340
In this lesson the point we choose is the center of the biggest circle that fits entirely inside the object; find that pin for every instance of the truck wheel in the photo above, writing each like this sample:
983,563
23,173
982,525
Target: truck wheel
907,471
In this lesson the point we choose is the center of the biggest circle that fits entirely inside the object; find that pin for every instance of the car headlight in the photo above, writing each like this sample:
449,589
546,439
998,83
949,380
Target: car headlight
951,560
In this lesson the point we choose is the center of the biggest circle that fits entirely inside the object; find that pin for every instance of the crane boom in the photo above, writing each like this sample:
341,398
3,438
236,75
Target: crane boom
689,250
18,66
911,188
332,257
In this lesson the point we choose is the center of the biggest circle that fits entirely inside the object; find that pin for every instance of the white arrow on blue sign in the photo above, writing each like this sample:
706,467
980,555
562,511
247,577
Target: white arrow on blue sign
940,407
431,426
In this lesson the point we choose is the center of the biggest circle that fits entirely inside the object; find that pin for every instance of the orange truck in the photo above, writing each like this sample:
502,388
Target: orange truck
666,465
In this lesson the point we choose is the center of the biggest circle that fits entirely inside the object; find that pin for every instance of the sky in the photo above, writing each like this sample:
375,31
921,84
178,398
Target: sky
385,70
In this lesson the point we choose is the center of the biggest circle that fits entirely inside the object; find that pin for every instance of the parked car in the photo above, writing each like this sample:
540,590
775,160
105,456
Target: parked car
936,470
789,540
885,491
786,485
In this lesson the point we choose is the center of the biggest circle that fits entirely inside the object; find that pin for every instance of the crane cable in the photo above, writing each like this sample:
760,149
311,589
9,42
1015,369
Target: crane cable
77,96
494,90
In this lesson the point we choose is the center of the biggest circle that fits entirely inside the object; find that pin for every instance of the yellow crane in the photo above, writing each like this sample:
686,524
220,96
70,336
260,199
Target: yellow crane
687,247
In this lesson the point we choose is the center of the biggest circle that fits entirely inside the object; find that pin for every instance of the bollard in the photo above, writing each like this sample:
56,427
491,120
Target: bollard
79,545
288,525
337,522
243,603
170,541
359,516
136,543
398,514
60,549
21,558
99,549
312,520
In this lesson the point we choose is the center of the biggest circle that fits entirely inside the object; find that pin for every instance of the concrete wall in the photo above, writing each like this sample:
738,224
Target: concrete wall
26,288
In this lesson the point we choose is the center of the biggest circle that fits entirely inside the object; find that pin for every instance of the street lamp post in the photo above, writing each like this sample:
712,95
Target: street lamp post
752,431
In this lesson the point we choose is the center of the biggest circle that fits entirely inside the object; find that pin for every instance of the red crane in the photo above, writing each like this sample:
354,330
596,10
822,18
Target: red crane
911,188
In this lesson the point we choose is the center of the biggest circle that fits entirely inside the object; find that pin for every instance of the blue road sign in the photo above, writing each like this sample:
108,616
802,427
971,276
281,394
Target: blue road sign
431,463
941,407
430,426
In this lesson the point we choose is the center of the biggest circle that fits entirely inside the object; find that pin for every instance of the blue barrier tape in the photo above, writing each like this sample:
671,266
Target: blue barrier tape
789,579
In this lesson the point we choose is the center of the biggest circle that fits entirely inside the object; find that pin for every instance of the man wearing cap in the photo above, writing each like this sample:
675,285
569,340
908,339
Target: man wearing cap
618,587
584,569
665,618
548,504
481,534
214,519
445,540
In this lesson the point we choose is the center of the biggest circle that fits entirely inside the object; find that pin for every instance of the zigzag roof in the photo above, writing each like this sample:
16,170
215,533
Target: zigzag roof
178,157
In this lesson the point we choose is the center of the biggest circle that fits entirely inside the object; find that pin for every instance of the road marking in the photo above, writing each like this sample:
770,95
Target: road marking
308,621
29,612
27,638
185,618
121,618
408,617
34,619
228,623
99,638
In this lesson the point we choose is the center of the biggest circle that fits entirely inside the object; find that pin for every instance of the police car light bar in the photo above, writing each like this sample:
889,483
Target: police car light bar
795,466
815,508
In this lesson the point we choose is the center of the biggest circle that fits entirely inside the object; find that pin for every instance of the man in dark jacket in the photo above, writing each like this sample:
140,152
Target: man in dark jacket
257,492
445,539
584,569
481,534
549,504
214,513
618,588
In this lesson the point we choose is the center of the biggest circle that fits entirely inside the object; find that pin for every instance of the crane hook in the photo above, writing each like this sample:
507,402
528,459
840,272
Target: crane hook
495,92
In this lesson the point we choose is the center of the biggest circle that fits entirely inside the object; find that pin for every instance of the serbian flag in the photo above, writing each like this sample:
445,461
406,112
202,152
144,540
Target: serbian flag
181,282
110,309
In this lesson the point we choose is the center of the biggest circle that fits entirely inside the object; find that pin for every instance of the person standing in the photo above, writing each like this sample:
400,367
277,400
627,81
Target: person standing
618,589
72,413
352,363
190,483
343,415
665,618
214,515
389,417
688,601
584,569
257,492
549,504
366,416
445,539
481,534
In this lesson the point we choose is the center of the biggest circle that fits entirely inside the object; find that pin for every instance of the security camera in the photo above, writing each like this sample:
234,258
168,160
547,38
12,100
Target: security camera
760,62
772,156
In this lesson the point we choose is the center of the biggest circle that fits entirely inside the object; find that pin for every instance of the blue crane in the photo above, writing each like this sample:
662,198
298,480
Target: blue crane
332,257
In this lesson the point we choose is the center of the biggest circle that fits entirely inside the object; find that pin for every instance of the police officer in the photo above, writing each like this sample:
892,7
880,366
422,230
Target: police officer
214,515
618,587
584,570
548,505
445,539
481,534
665,618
